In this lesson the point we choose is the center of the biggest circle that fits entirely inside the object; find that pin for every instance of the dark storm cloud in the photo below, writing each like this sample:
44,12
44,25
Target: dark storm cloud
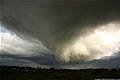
58,24
49,61
45,59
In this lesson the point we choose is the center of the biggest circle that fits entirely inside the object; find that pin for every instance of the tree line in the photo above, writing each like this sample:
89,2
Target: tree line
10,69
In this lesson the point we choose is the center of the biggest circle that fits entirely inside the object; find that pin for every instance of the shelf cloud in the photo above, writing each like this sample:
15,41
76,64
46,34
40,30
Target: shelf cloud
73,30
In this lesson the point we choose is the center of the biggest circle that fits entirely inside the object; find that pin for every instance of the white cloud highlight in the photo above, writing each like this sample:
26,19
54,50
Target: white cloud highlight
99,44
12,44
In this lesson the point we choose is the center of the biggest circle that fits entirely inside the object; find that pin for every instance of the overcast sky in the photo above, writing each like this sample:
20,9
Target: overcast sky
60,33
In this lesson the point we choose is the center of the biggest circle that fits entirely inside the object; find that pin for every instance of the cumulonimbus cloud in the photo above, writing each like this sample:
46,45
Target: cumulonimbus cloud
71,30
103,42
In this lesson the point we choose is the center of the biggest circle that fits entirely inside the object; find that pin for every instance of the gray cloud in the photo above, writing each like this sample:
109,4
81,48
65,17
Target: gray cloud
60,24
49,61
45,59
13,44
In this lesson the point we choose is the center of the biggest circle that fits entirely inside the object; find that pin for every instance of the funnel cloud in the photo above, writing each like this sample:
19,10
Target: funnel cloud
73,30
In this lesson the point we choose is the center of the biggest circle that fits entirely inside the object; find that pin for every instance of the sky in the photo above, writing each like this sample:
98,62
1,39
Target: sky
60,33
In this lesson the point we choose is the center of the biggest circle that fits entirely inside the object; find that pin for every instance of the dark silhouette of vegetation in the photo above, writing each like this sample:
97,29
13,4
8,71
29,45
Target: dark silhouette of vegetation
39,73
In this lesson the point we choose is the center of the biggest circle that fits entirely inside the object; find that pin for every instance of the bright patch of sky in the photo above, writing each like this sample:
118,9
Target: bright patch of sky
2,29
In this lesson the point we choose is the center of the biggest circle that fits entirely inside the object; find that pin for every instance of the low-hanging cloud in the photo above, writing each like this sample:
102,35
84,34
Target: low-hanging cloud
103,42
14,45
71,29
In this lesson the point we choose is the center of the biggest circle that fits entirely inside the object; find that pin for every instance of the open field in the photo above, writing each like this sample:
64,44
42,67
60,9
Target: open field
61,74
